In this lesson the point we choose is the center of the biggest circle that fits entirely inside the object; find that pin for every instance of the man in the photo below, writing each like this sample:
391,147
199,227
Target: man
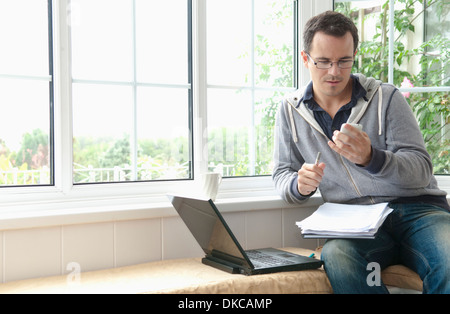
386,162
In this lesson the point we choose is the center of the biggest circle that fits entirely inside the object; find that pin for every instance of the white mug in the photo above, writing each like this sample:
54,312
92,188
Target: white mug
355,125
210,184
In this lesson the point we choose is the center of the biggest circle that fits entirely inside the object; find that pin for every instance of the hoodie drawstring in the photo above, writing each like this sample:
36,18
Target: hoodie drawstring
380,100
291,117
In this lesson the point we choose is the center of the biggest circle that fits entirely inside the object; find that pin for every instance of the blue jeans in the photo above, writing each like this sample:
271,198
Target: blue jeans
415,235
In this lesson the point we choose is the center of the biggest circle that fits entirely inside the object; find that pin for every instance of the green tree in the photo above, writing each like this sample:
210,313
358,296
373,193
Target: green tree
34,151
118,154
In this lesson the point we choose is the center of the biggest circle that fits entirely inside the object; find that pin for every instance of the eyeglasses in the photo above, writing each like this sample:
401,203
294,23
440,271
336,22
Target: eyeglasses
322,65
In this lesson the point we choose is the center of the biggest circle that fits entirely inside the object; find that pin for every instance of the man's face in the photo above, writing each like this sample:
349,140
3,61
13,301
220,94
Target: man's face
329,82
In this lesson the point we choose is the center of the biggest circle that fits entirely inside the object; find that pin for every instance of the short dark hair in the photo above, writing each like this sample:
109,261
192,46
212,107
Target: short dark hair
331,23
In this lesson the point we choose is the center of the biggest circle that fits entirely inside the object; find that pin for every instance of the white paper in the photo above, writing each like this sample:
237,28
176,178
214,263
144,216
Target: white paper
335,220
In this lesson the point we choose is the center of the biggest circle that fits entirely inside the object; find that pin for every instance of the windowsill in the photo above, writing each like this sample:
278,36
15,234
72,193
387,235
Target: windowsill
239,194
57,214
47,207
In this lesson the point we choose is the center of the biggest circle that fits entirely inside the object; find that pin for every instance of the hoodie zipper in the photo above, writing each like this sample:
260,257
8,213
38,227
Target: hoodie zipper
320,131
350,176
353,181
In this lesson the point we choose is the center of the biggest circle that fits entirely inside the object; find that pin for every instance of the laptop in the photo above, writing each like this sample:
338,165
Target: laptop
222,249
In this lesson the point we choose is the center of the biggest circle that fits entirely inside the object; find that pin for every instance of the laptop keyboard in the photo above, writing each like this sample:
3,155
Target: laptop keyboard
260,259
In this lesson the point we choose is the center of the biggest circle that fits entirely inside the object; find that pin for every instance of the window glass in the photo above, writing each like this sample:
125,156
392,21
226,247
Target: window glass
420,58
162,48
131,90
102,116
101,36
25,93
163,133
250,65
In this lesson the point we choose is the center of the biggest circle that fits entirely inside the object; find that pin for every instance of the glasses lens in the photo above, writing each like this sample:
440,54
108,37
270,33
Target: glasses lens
323,65
345,64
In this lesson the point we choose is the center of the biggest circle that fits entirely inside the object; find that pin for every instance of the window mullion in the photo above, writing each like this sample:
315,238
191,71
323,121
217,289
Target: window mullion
51,92
252,131
200,133
134,135
62,96
391,42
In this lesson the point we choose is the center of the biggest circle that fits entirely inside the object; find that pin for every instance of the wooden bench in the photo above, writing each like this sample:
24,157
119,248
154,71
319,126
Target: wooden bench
191,276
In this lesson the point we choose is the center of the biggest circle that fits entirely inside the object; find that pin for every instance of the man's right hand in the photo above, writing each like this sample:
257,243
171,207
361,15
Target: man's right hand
309,178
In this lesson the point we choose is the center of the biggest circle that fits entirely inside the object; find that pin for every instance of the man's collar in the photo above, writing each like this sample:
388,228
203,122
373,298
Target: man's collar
308,95
357,92
358,89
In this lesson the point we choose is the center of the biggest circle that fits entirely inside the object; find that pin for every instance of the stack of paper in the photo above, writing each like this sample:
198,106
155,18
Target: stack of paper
332,220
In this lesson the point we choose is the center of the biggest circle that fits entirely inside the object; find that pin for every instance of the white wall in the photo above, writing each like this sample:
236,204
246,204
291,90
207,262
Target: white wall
46,251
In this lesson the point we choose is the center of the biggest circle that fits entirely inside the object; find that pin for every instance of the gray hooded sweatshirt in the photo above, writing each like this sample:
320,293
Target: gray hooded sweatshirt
395,137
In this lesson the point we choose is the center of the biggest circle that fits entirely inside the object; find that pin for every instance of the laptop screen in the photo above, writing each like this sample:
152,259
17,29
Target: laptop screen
207,226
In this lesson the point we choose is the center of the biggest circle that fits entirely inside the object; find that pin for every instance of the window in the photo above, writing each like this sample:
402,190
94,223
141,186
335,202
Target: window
26,93
251,63
152,93
405,43
132,92
103,91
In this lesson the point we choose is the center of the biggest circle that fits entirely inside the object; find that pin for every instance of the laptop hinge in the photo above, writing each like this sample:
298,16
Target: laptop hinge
221,264
229,258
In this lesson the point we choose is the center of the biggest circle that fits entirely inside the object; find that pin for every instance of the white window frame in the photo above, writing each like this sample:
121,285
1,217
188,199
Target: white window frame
66,203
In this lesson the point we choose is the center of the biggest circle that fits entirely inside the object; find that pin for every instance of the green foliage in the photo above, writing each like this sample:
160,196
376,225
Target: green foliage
118,154
156,159
34,151
30,164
